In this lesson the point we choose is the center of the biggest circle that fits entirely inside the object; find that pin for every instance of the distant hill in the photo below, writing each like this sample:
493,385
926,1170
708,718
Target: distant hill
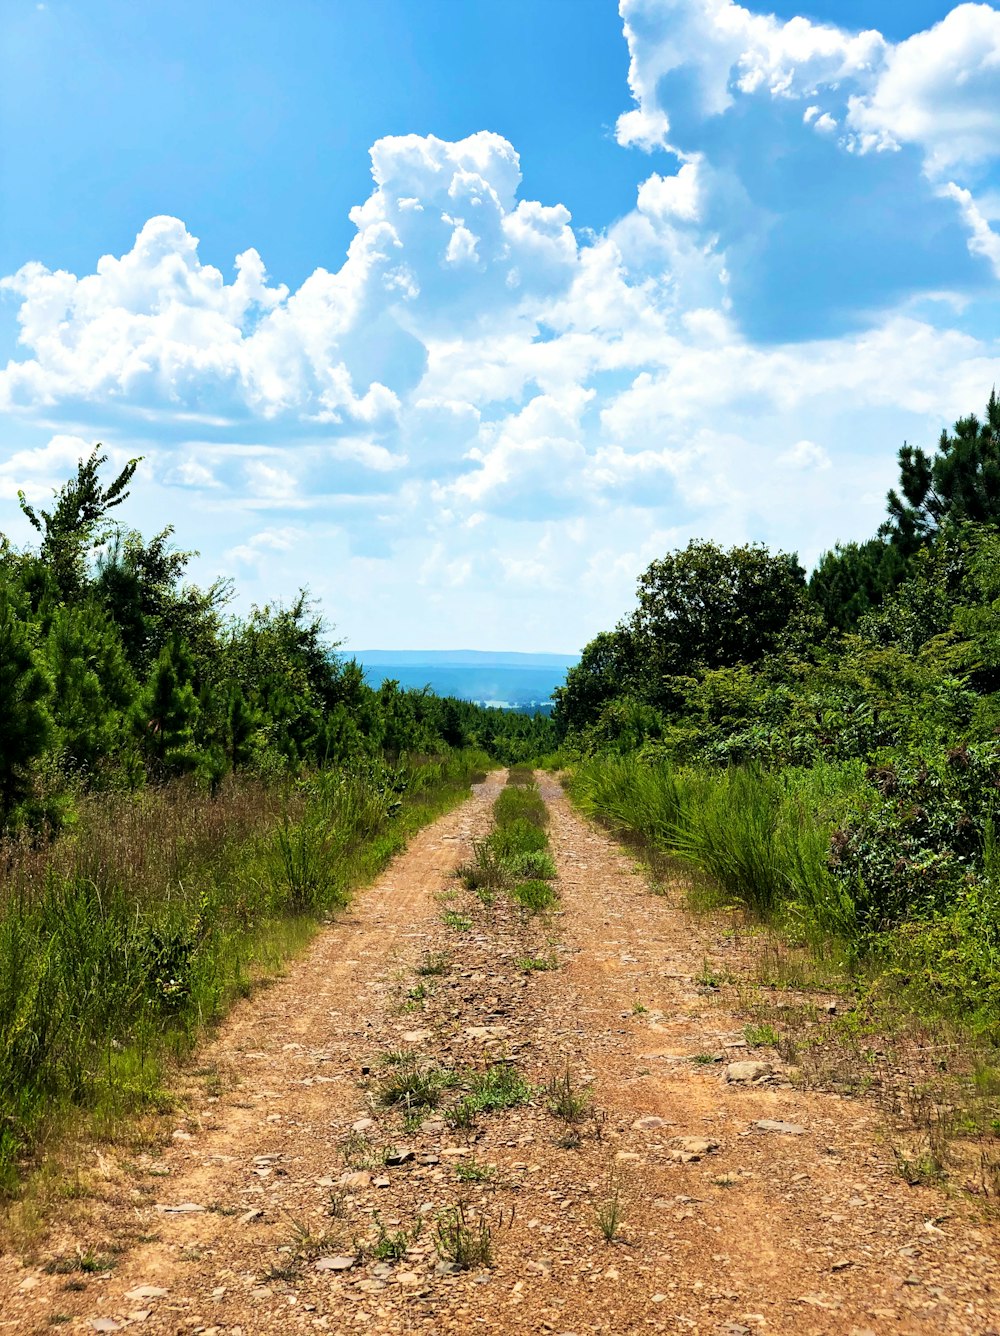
511,681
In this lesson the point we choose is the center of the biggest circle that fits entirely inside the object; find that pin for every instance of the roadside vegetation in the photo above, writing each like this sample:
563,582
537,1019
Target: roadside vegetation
823,754
184,794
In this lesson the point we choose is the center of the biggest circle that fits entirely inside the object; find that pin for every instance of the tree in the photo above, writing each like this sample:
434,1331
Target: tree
74,524
167,713
25,721
960,483
854,578
710,607
604,672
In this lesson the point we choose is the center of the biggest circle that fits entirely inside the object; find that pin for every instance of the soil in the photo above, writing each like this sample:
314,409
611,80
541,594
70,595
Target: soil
283,1195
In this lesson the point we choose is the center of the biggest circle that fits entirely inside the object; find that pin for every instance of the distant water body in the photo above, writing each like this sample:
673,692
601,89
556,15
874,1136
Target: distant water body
507,680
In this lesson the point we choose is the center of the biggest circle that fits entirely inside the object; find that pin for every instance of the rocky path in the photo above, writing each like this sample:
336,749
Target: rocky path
291,1199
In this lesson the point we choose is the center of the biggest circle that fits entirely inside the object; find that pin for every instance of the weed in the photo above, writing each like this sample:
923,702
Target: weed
463,1241
566,1100
638,1009
610,1209
89,1262
433,963
534,863
704,1059
413,1084
471,1171
458,922
920,1169
336,1205
528,963
709,977
501,1086
534,896
358,1152
761,1036
306,1243
391,1247
462,1114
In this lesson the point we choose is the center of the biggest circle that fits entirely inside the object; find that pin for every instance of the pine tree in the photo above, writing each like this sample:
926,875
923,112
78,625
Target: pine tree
25,721
960,483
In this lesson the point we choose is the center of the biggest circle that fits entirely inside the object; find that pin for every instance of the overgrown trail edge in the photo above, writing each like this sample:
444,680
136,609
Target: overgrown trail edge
288,1200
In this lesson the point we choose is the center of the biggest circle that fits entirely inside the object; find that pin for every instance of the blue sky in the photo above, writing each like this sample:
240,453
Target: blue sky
527,293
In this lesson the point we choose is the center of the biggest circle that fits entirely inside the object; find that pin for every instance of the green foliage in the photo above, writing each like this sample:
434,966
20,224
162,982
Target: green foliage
118,945
25,721
960,483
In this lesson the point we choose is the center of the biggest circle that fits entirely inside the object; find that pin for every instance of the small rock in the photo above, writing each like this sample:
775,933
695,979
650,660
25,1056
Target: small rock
747,1073
363,1125
399,1157
185,1208
104,1324
842,1264
381,1182
408,1278
355,1180
371,1286
628,1157
649,1123
695,1147
145,1292
775,1125
248,1216
343,1263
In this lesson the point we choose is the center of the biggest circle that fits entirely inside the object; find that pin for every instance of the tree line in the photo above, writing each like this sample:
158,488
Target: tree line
117,671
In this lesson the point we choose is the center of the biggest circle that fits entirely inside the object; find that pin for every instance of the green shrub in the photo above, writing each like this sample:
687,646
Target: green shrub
534,896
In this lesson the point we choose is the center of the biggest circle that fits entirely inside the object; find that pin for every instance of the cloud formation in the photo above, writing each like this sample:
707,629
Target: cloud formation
483,412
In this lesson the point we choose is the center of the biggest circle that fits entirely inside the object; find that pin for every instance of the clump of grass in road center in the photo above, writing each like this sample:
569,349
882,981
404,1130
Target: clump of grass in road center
514,857
610,1209
463,1241
529,963
566,1100
534,896
472,1171
534,863
458,922
392,1245
413,1084
433,963
501,1086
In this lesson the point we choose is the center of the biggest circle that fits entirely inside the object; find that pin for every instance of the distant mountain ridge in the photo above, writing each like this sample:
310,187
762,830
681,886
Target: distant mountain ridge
507,679
389,658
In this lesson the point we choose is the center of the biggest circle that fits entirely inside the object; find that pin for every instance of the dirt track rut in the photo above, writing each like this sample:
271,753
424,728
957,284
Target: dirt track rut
727,1228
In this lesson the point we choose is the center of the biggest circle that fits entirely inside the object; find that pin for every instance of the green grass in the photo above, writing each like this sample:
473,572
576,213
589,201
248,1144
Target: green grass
534,896
123,939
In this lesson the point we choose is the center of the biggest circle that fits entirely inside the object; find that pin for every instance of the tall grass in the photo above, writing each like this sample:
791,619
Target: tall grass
123,939
763,839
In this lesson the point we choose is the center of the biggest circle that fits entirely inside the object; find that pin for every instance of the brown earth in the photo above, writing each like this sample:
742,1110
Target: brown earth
726,1227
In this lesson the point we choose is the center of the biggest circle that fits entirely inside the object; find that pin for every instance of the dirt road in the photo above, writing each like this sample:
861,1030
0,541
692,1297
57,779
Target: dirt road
746,1205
